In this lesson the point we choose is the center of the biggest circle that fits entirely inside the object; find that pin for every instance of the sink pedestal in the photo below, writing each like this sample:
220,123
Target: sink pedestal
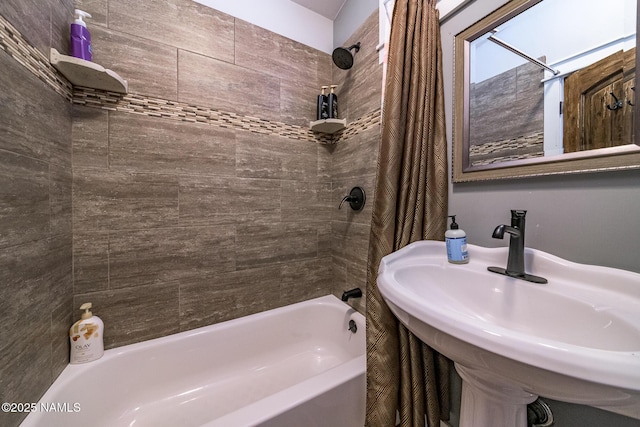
488,401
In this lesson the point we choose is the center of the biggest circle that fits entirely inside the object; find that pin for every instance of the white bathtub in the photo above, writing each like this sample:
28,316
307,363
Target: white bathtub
293,366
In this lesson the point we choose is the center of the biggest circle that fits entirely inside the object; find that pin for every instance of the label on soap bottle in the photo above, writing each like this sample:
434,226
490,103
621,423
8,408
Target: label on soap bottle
457,249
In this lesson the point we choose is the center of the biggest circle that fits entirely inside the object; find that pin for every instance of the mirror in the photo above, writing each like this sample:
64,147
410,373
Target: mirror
538,91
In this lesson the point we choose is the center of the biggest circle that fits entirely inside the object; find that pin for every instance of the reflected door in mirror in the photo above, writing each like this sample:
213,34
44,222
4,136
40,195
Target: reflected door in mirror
598,104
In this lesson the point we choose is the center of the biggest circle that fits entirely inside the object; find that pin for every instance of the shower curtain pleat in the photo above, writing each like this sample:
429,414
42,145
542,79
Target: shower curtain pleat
403,374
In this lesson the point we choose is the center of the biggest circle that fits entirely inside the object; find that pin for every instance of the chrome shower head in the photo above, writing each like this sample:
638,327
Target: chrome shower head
342,56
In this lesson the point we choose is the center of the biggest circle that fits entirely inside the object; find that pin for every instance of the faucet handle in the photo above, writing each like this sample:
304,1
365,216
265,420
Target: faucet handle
518,214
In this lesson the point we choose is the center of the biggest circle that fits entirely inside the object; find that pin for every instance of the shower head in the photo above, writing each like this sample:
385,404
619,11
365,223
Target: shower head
342,56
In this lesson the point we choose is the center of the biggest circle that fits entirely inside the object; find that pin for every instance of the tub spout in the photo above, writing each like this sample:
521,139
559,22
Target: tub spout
353,293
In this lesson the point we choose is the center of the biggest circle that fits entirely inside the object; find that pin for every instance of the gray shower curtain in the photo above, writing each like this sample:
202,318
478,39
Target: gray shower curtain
410,204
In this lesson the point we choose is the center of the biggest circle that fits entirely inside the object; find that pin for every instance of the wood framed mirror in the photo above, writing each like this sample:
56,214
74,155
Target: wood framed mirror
545,87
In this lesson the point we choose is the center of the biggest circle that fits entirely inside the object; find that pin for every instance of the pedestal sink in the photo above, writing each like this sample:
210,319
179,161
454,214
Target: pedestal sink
574,339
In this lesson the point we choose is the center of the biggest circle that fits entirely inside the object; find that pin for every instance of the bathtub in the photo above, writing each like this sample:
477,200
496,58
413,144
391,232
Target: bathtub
297,365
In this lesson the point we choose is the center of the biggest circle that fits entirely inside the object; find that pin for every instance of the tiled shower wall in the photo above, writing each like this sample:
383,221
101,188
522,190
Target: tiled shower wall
502,134
180,224
35,211
354,159
178,221
215,220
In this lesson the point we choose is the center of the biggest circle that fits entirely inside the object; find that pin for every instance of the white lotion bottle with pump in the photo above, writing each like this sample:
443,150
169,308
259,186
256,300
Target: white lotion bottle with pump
86,337
456,242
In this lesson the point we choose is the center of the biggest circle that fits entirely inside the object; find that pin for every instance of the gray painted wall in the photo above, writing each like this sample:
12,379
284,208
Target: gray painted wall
350,18
586,218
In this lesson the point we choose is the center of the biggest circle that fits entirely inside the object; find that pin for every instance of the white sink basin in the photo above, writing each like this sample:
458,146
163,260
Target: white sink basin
575,339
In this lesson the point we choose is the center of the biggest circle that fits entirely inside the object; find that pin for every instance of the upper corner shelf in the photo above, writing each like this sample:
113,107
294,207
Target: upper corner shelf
328,125
86,73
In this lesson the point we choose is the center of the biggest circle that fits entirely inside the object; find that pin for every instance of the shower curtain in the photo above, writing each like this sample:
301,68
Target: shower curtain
410,204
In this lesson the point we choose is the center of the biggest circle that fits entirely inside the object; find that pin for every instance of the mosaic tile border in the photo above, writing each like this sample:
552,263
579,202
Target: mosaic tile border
362,124
157,107
12,42
502,151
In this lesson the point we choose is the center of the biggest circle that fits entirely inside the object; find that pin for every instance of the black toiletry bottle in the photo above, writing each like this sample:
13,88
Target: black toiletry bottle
323,105
333,103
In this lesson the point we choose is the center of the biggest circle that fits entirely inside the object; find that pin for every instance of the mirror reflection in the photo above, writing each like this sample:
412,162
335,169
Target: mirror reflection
557,78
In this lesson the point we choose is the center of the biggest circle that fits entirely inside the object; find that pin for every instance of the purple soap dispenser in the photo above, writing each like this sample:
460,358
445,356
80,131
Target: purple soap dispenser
80,40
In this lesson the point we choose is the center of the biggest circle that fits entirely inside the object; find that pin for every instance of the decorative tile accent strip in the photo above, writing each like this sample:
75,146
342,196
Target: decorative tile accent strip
156,107
523,147
362,124
12,42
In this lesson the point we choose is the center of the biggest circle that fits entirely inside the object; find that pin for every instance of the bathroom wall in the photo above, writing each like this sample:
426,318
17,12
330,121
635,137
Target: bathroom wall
586,218
198,197
231,207
354,158
283,17
35,205
202,196
506,118
349,19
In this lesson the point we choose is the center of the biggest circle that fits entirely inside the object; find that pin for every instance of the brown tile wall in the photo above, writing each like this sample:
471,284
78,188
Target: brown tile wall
219,206
183,51
354,159
508,106
188,219
199,197
36,289
197,222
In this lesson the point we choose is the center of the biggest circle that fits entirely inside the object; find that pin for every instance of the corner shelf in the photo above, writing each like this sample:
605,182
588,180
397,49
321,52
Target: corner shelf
328,126
87,74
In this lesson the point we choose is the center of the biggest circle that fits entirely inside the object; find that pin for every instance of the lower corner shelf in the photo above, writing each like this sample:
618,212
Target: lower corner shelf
328,125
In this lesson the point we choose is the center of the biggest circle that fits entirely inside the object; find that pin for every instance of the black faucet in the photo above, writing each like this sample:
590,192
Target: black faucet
353,293
515,262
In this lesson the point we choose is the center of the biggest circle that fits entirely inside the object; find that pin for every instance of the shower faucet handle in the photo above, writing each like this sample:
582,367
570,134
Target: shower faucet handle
346,198
356,199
